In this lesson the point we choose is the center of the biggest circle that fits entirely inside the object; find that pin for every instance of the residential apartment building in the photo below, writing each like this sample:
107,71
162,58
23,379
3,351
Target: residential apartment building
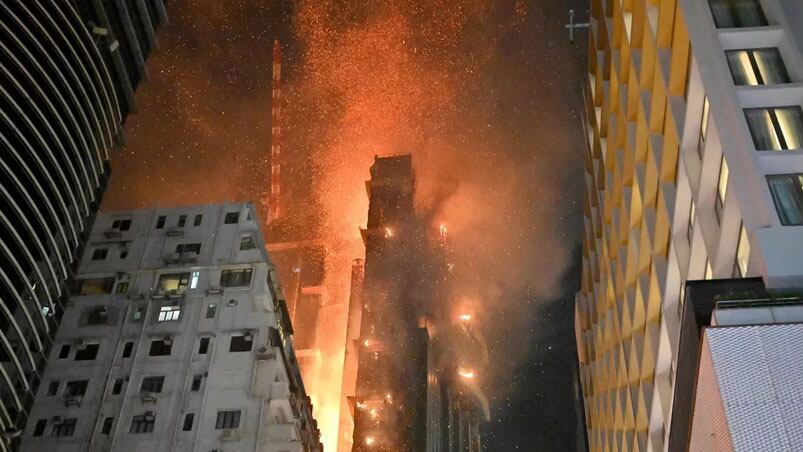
693,173
176,338
63,100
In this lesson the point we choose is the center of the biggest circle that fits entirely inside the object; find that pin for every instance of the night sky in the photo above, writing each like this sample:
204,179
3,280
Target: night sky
485,94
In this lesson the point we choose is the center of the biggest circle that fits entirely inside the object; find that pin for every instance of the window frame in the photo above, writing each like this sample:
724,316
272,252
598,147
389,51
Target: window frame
755,68
228,419
776,126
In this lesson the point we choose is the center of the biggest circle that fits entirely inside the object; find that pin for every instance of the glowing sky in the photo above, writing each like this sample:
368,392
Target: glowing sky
484,93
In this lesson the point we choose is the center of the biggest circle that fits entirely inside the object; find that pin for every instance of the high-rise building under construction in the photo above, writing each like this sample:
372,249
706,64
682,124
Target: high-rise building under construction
693,172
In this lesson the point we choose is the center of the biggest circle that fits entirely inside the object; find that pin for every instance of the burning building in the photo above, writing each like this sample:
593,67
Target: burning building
410,375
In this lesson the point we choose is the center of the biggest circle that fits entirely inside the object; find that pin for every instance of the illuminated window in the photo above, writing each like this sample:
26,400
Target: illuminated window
703,128
722,188
743,252
709,272
737,13
173,282
776,129
93,286
194,279
169,313
757,67
787,193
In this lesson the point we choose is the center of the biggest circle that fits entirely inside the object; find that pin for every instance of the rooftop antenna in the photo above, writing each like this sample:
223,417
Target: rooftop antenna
571,25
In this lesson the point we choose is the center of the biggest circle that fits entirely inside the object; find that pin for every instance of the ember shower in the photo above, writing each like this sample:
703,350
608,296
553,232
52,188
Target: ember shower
459,84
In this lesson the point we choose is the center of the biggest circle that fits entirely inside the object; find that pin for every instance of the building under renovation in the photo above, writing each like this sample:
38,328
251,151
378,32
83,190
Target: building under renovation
407,388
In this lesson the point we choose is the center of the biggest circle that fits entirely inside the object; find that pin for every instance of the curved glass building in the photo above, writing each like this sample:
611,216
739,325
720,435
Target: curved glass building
67,74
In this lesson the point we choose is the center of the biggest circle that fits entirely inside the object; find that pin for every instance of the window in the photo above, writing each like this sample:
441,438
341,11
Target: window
690,226
53,388
757,67
197,220
182,248
227,419
64,428
196,383
107,426
39,430
64,352
241,343
143,423
194,279
169,313
709,272
210,310
100,254
99,315
122,287
743,252
703,128
152,384
117,388
182,220
93,286
776,129
138,313
247,242
737,13
160,222
188,418
161,347
232,218
88,353
235,278
173,282
123,253
203,346
128,348
125,225
76,388
787,193
722,188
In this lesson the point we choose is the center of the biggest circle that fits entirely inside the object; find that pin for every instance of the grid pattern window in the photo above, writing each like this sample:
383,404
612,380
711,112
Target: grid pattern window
236,278
776,129
227,419
152,384
757,67
169,313
787,193
64,428
743,252
143,423
722,188
737,13
173,282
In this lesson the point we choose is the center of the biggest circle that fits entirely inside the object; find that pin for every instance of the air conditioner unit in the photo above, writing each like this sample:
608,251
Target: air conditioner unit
230,434
73,400
264,354
147,396
168,340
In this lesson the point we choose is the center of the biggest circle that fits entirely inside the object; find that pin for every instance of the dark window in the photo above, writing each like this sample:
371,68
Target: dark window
173,282
247,242
210,310
188,418
198,219
39,430
143,423
99,254
757,67
232,218
228,419
53,388
123,253
160,222
88,353
787,193
203,346
117,388
776,129
115,224
152,384
107,426
64,352
76,388
182,220
127,349
196,383
125,225
737,13
182,248
93,286
161,347
241,343
64,428
122,287
235,278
